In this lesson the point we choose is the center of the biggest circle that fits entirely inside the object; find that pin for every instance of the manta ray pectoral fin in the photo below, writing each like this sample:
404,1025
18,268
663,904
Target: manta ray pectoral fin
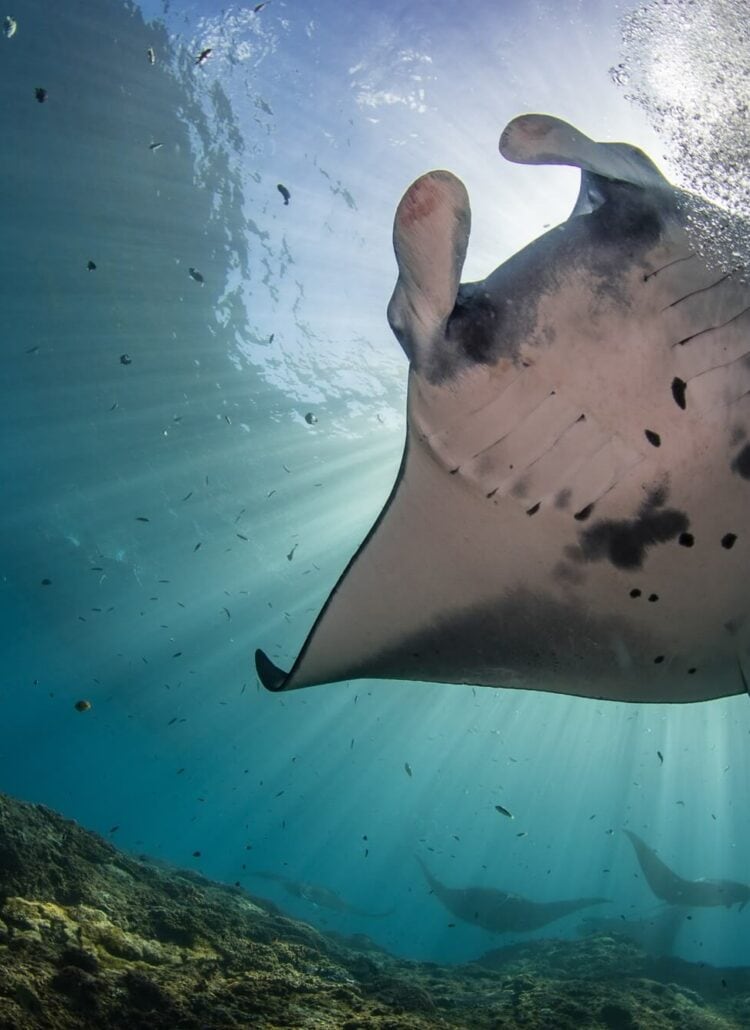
270,675
430,237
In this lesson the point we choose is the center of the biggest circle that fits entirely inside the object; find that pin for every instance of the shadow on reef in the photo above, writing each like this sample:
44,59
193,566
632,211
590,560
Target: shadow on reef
91,937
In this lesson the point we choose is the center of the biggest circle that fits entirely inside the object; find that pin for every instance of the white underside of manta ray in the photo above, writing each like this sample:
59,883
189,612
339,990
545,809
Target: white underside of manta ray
571,512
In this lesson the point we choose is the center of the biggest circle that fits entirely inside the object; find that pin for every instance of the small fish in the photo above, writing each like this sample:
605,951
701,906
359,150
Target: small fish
660,756
177,654
142,518
284,192
241,536
82,706
90,266
680,803
114,406
204,55
226,612
503,811
187,496
41,94
523,833
291,553
46,582
32,350
270,493
271,337
196,276
10,25
125,359
197,546
196,854
151,55
259,7
155,146
311,419
407,769
114,829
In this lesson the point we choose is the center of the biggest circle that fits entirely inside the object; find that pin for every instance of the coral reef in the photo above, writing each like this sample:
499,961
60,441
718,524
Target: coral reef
92,937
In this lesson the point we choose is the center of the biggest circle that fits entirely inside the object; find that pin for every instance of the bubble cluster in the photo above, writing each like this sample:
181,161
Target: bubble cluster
686,63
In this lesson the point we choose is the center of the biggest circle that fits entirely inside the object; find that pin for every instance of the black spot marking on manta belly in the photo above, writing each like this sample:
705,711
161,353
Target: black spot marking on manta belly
728,541
686,539
659,659
653,438
653,598
692,671
584,513
741,463
635,592
534,508
679,386
624,542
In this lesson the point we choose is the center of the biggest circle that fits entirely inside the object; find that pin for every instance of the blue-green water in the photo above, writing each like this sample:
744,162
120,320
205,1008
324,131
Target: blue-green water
158,470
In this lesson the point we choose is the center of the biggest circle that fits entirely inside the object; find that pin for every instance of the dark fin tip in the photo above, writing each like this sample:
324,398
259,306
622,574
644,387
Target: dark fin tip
270,675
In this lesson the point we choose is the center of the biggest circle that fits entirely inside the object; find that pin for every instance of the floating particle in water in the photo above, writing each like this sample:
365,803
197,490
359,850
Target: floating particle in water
82,706
196,276
46,582
204,55
284,192
90,266
10,27
311,419
125,359
155,146
151,55
41,94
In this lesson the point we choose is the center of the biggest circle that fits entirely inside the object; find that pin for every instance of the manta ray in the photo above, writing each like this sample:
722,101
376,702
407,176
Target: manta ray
571,510
655,934
323,897
671,888
498,911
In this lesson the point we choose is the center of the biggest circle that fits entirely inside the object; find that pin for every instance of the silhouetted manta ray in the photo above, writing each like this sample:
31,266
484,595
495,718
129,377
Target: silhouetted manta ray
498,911
572,506
321,896
672,888
655,934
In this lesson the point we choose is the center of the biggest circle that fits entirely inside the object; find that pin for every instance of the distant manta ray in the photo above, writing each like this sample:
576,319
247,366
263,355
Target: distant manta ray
320,896
572,506
655,934
672,888
498,911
